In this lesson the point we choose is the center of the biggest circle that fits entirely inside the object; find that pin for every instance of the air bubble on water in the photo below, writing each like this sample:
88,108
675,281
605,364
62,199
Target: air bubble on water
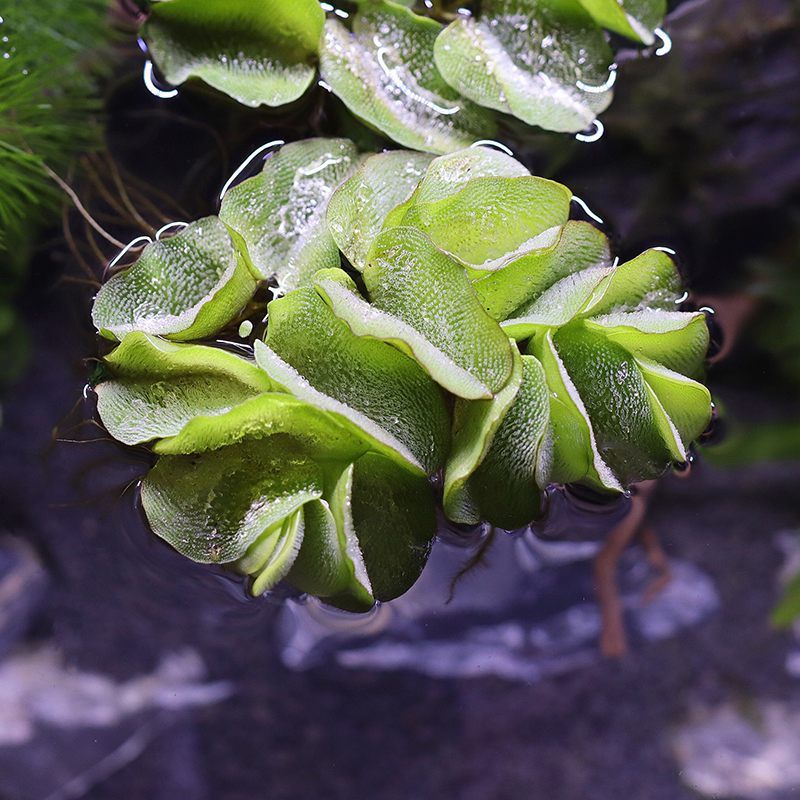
587,210
604,87
165,228
591,136
132,243
264,147
493,144
666,42
149,82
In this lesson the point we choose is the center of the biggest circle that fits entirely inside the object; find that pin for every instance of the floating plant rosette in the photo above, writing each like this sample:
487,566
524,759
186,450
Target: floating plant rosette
428,78
435,321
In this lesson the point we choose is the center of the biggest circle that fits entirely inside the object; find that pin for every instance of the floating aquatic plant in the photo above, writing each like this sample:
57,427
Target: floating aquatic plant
427,85
436,320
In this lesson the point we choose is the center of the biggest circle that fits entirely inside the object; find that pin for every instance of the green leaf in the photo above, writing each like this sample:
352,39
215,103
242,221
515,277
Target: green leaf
449,174
677,340
648,282
687,403
384,73
281,212
490,221
475,423
359,206
185,287
256,52
283,545
636,19
616,400
321,568
545,63
572,450
423,303
394,515
578,246
157,386
506,484
213,506
326,436
315,356
560,303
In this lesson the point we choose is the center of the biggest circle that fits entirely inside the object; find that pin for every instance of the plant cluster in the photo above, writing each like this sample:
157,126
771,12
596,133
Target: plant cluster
438,321
427,85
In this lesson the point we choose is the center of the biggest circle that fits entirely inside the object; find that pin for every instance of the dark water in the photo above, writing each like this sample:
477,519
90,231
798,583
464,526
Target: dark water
132,673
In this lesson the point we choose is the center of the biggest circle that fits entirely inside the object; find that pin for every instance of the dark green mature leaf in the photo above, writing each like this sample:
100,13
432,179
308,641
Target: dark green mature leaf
506,485
677,340
616,400
185,287
213,506
474,426
157,386
394,515
384,73
545,63
281,212
573,452
257,52
378,388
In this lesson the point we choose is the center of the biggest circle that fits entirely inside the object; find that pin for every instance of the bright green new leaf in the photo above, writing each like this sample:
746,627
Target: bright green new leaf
449,174
475,423
359,206
558,304
275,555
256,51
378,388
157,386
491,221
677,340
645,283
281,212
185,287
545,63
634,18
385,74
213,506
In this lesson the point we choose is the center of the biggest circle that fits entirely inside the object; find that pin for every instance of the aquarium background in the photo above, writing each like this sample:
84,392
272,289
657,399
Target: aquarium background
128,672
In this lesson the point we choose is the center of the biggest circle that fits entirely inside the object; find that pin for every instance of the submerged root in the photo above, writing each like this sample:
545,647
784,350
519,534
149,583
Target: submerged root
613,642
